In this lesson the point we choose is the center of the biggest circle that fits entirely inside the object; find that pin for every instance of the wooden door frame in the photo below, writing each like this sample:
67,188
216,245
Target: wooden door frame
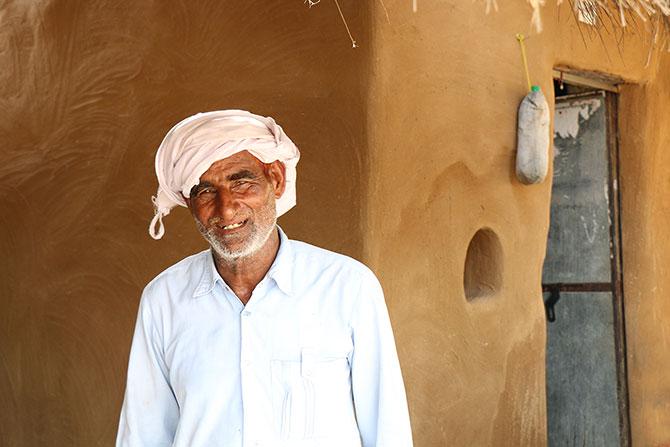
612,117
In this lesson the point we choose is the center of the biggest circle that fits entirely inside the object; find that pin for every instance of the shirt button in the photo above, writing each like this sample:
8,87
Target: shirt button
246,313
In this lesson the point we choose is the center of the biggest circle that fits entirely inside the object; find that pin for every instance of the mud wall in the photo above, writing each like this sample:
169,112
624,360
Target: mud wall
88,89
446,84
442,132
408,150
645,188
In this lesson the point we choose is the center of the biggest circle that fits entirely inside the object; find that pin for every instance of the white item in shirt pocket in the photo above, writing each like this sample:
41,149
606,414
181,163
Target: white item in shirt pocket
311,398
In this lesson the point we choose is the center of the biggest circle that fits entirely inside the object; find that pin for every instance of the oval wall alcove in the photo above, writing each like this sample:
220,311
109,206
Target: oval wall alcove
483,273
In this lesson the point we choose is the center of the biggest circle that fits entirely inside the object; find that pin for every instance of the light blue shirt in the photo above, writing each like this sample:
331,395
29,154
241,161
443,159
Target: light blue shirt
310,361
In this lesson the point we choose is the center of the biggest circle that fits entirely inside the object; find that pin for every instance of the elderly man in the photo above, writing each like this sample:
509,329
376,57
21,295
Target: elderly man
261,340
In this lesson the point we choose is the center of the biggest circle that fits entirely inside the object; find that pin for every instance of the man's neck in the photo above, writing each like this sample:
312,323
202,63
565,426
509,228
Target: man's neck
243,274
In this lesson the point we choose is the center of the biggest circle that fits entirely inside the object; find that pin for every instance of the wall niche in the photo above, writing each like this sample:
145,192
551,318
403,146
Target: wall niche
483,272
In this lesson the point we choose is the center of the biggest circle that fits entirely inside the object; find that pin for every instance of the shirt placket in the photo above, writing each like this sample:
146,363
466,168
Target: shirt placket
251,368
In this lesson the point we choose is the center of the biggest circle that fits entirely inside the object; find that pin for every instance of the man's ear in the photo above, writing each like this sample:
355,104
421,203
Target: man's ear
276,172
188,202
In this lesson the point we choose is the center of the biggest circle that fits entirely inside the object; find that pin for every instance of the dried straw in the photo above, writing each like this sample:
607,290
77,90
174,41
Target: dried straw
621,14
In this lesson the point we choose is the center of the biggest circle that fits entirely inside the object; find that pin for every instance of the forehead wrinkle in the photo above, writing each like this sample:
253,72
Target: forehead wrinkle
235,164
243,174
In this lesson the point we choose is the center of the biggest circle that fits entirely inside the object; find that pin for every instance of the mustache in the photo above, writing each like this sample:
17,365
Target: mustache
218,221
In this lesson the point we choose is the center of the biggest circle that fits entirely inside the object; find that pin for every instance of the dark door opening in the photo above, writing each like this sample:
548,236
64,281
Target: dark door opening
587,398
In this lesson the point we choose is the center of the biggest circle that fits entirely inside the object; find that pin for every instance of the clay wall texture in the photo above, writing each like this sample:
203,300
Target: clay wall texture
645,188
447,81
407,150
88,90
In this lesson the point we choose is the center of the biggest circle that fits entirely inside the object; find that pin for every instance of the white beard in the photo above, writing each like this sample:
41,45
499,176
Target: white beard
265,224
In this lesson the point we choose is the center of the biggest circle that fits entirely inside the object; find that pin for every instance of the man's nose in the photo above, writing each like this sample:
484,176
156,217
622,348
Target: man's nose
227,205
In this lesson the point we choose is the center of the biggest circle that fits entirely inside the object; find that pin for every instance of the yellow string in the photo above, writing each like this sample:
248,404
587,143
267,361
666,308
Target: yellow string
520,38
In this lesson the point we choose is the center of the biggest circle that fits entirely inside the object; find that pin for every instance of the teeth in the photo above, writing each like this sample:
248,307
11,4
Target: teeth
233,226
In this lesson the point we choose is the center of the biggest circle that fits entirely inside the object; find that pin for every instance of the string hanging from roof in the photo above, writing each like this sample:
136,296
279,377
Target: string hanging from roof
311,3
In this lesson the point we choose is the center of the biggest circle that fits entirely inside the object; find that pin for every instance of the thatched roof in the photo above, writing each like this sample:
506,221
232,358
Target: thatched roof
654,15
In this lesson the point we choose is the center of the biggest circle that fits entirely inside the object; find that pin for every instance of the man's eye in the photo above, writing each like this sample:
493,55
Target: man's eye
241,184
205,192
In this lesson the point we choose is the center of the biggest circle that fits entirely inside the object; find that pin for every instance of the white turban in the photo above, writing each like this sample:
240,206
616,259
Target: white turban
194,144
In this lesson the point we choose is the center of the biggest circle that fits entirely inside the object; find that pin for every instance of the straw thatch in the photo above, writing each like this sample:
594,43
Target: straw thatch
653,15
608,15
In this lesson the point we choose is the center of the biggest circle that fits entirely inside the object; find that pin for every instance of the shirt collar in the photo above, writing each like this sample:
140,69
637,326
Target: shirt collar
280,270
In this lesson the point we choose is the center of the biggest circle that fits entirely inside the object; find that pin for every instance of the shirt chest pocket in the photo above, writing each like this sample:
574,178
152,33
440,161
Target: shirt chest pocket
312,398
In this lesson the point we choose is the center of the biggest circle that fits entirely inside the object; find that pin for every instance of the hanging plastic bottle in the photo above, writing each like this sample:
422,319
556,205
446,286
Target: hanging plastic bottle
532,148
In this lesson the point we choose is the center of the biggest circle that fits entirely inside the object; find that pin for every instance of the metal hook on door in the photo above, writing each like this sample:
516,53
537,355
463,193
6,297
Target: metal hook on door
554,296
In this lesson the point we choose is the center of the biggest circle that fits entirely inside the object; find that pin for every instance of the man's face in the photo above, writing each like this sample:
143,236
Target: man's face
234,204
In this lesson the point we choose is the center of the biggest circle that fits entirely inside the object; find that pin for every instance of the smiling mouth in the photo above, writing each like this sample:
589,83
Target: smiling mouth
233,226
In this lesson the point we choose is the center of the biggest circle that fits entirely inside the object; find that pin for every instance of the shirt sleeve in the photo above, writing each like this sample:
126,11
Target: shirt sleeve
150,412
378,390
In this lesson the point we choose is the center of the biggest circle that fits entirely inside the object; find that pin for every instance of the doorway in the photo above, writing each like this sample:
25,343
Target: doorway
587,398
